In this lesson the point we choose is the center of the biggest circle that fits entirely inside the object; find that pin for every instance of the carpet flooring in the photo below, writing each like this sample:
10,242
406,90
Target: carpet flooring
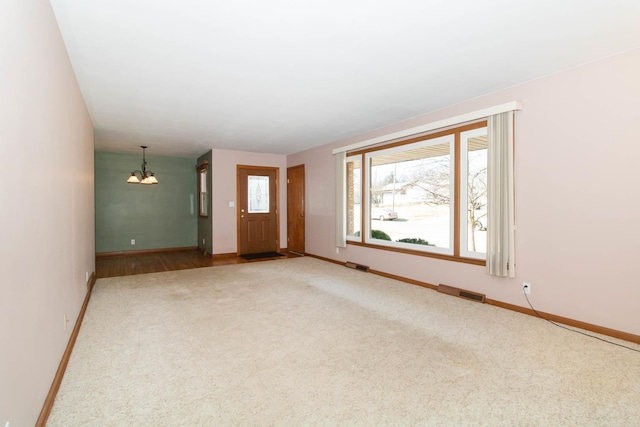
305,342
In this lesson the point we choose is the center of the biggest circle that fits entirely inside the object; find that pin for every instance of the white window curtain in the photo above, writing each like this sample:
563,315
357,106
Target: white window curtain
500,206
341,184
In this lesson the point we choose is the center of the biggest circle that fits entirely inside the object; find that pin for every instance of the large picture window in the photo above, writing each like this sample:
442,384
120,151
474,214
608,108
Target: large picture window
426,195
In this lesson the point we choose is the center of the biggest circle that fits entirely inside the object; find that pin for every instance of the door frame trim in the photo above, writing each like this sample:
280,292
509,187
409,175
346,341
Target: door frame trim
304,204
238,226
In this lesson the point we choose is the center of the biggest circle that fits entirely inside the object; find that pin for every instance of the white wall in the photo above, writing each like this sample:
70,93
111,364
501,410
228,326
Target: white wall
224,191
577,204
46,205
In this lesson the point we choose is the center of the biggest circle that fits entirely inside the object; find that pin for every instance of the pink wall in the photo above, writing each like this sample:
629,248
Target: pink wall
577,203
224,191
46,205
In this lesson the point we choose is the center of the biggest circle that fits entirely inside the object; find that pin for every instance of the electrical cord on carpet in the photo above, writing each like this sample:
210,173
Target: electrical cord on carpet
574,330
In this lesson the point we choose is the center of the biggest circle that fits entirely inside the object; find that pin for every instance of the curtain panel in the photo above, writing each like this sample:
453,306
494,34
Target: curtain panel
500,186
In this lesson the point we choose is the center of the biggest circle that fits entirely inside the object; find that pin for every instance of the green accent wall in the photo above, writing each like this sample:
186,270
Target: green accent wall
163,215
205,224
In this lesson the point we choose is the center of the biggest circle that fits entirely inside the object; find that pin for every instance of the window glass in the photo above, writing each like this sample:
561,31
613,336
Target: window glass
410,196
473,212
258,194
202,190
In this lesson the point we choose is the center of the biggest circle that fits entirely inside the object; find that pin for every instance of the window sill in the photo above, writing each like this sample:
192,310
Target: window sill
472,261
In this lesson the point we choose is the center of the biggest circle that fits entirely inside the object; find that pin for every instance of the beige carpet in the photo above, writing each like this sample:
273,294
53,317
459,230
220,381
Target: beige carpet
305,342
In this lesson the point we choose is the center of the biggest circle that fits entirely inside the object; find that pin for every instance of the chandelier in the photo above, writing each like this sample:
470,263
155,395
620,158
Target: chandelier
143,176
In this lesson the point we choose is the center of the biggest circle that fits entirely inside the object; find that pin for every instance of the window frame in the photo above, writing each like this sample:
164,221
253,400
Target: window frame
454,253
203,199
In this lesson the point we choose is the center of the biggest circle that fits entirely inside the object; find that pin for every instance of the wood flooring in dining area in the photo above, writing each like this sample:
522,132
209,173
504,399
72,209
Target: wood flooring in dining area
152,262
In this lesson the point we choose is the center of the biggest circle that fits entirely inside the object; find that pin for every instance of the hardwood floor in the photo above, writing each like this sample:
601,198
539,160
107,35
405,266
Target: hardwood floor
126,265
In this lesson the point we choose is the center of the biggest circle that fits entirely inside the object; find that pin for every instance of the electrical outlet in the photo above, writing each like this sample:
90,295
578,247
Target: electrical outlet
86,275
133,242
203,241
337,250
526,287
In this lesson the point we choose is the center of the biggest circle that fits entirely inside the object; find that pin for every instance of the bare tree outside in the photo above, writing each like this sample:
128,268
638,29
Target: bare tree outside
431,176
477,201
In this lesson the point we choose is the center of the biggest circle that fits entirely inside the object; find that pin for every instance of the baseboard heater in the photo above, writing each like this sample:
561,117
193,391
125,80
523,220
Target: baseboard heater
356,266
461,293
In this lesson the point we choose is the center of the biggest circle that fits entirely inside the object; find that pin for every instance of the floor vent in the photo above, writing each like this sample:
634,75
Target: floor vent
357,266
450,290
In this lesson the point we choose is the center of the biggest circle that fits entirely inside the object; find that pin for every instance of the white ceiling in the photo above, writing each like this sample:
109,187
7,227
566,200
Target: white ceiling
280,76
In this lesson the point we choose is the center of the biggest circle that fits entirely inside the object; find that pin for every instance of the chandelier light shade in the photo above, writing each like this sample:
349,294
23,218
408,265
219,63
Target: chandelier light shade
143,176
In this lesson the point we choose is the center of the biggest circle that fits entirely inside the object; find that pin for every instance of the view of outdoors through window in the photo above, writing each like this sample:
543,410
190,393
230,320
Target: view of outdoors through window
411,195
474,191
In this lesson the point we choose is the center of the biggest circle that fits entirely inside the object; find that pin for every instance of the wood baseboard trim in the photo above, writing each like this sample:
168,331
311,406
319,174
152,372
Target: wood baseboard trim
145,251
62,367
405,279
324,259
225,255
569,322
91,282
286,250
555,318
380,273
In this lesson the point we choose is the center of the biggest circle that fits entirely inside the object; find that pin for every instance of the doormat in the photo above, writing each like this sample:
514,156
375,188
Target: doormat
250,257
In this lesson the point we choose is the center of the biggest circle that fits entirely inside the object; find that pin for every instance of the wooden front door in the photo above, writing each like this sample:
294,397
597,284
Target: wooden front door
295,209
257,195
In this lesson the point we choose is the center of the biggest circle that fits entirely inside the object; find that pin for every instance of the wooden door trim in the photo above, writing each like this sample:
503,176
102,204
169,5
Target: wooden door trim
304,204
238,224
